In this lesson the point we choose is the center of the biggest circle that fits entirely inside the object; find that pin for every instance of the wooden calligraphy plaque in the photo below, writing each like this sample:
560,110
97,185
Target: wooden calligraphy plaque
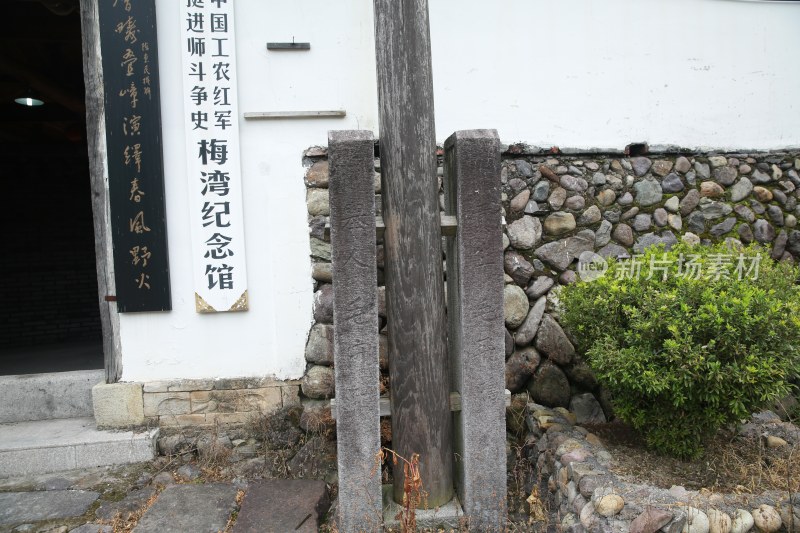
135,161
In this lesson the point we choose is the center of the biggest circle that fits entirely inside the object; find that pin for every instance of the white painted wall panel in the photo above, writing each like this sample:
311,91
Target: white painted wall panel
337,73
714,74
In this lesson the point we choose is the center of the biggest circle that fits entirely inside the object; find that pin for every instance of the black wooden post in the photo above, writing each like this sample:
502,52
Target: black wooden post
418,370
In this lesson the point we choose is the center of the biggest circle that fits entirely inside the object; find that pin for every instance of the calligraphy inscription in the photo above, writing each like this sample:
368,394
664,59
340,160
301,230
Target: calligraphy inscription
135,161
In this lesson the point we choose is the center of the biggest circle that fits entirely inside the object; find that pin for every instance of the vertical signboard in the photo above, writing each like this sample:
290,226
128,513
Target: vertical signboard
135,164
212,153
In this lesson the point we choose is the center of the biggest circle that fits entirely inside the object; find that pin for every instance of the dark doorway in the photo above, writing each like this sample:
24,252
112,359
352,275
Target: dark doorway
49,316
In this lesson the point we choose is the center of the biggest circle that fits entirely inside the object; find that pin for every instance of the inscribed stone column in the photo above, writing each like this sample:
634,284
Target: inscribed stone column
475,316
419,381
355,322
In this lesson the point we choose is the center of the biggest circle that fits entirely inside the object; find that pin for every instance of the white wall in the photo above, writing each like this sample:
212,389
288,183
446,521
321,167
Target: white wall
588,73
580,73
268,339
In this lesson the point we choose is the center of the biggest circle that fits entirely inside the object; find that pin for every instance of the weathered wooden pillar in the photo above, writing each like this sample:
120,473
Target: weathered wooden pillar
419,381
475,316
355,323
98,174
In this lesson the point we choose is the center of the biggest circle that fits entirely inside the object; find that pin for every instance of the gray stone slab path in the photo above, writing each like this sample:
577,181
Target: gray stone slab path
131,503
88,500
278,505
23,507
195,508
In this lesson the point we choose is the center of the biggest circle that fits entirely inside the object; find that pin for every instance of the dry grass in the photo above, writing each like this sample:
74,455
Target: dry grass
235,513
732,463
125,524
756,467
414,495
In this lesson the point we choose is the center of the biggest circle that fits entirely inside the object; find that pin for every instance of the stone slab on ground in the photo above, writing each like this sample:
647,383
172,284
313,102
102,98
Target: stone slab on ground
131,503
195,508
56,445
283,505
80,479
23,507
447,516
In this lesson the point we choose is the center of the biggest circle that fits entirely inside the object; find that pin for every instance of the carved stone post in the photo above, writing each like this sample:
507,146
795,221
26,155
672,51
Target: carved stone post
475,316
355,323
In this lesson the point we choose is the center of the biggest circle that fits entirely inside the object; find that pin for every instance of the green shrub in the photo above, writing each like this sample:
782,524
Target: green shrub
682,357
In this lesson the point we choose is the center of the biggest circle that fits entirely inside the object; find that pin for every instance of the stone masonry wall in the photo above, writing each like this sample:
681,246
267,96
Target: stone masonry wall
558,206
577,480
212,402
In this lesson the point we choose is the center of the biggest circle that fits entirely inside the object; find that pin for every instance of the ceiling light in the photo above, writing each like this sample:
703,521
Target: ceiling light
29,100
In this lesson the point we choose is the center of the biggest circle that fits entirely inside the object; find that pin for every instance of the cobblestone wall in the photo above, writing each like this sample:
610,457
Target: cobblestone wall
558,206
577,482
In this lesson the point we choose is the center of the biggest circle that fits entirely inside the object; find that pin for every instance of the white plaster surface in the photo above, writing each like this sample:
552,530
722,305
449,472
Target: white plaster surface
695,73
714,74
269,339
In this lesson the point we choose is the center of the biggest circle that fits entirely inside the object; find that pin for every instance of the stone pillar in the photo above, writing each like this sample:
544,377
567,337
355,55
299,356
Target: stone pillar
355,319
475,316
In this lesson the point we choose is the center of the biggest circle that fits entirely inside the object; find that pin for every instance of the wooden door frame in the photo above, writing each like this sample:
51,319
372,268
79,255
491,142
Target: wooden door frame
98,174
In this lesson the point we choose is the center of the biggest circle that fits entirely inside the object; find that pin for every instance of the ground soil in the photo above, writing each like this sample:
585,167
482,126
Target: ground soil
732,463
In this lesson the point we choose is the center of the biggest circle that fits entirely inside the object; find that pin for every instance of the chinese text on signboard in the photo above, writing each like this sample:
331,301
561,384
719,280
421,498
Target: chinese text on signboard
212,149
135,164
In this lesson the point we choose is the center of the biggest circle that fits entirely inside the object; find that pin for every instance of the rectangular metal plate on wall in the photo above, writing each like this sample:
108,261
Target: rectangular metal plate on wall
288,46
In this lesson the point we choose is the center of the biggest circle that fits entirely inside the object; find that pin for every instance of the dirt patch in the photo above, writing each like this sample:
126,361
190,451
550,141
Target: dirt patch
732,463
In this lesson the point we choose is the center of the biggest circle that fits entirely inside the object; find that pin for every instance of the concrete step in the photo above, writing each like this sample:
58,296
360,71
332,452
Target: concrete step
45,396
43,446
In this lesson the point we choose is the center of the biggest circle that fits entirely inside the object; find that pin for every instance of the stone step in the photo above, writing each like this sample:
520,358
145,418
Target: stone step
43,446
44,396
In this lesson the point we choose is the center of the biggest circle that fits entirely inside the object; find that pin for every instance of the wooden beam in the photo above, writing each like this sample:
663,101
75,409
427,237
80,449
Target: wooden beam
455,403
98,174
272,115
418,367
447,223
